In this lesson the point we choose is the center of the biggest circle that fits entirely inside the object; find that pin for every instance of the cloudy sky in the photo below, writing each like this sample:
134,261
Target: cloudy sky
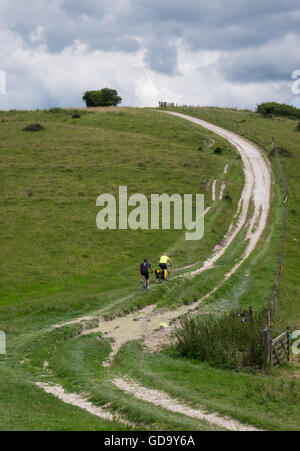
206,52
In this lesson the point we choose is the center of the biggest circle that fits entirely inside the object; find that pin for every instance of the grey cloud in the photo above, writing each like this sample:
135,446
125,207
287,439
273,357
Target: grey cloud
269,63
161,56
257,72
257,41
128,25
217,24
88,7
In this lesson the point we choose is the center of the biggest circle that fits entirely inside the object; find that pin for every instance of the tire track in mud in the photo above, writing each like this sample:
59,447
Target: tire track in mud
161,399
81,402
156,397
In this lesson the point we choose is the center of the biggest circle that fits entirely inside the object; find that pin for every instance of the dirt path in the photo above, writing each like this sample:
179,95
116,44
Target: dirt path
79,401
153,326
161,399
257,188
223,184
214,186
155,397
156,326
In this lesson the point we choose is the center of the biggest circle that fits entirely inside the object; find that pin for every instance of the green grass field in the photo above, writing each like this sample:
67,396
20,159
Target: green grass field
57,266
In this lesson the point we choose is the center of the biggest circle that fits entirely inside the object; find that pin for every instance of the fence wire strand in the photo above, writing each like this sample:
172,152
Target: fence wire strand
280,266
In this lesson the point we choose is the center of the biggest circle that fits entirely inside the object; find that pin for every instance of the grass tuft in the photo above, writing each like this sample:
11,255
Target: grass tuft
34,128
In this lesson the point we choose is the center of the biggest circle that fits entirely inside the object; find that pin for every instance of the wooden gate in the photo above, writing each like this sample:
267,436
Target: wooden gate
277,350
281,349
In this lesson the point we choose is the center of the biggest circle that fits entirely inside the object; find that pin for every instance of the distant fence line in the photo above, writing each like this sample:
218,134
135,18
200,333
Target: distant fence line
273,303
277,350
166,104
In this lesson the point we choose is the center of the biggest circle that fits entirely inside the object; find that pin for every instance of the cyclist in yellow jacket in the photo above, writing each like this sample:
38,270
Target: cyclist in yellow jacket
164,262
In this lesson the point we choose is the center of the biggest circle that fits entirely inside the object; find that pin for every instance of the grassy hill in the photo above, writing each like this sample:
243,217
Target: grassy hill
57,266
50,244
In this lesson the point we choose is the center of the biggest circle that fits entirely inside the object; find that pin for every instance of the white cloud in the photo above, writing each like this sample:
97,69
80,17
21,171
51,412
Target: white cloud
196,53
39,79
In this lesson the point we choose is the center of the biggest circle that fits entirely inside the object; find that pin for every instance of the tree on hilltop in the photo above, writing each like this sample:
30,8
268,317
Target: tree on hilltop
104,97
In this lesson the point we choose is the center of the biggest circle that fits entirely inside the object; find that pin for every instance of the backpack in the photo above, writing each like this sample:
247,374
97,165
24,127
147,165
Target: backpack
144,268
157,273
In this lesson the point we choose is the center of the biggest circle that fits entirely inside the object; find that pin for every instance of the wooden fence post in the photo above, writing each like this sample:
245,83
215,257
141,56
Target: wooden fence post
252,332
288,343
273,145
264,346
267,347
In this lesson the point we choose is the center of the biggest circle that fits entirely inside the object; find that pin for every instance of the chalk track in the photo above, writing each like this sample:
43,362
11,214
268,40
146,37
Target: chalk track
146,323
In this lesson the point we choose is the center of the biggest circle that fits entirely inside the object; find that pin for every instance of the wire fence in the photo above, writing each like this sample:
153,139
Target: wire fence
277,350
250,131
273,303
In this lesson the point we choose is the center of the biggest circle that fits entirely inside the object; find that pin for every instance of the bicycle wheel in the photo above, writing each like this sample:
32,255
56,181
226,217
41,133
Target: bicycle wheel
161,276
144,284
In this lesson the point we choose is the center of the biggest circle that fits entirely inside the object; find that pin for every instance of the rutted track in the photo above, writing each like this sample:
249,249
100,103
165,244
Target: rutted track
257,189
161,399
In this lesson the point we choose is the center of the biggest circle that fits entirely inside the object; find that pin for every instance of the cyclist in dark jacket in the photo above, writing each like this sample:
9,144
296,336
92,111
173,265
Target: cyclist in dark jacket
144,270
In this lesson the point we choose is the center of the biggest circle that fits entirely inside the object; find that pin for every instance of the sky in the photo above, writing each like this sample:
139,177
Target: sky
234,53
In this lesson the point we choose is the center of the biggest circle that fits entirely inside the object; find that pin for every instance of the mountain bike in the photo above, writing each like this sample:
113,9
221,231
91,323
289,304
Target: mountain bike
144,283
161,276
